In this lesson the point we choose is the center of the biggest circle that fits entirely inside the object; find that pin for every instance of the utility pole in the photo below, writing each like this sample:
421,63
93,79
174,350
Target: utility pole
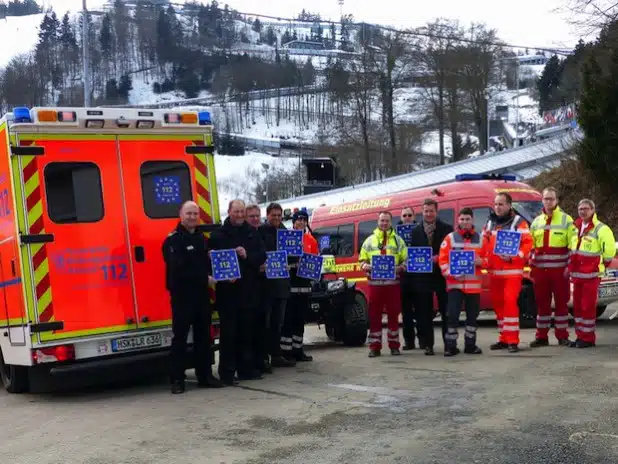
85,50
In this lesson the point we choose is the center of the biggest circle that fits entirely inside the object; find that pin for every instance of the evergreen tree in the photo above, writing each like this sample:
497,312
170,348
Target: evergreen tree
548,84
257,25
598,117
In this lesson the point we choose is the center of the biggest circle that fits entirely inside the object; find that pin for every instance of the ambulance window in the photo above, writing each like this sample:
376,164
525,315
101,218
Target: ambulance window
365,229
166,185
73,192
480,217
447,215
341,239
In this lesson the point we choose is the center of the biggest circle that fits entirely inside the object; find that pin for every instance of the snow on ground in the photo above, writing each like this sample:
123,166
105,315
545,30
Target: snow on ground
239,176
18,35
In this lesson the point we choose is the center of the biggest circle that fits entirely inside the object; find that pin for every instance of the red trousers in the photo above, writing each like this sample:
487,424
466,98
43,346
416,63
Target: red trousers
384,298
504,296
585,297
548,282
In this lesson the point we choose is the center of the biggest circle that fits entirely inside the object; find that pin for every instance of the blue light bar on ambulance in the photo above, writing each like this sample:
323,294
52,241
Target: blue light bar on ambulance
204,118
21,114
504,177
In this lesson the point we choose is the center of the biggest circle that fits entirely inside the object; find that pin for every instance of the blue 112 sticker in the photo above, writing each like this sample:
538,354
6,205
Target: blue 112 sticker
225,265
167,189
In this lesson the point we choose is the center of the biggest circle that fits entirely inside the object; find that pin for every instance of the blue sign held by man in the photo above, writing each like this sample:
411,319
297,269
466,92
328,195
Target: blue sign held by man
225,265
310,266
461,262
507,242
276,265
290,241
383,267
420,260
405,231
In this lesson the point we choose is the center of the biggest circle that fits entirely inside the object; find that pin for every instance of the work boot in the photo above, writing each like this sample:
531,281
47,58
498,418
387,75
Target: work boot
473,350
374,353
280,361
395,352
178,387
408,347
498,346
513,348
303,357
228,380
265,367
581,344
451,351
429,351
210,382
538,342
564,342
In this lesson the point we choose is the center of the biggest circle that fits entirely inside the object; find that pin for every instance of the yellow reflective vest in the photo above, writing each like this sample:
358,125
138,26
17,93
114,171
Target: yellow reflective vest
552,237
394,246
590,249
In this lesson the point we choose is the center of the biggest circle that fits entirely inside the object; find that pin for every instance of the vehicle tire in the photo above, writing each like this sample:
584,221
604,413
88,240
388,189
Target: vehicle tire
14,378
355,322
330,332
601,310
527,307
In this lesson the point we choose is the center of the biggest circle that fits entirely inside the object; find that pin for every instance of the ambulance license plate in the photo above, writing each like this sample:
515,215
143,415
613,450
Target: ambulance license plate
137,343
609,291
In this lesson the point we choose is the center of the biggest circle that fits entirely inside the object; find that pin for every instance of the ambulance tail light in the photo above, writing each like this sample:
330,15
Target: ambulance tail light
67,116
57,353
21,114
95,123
47,116
145,124
180,118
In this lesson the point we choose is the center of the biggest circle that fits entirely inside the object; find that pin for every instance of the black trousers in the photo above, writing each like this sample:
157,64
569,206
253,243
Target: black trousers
276,309
407,313
235,343
423,308
260,340
293,329
191,311
457,298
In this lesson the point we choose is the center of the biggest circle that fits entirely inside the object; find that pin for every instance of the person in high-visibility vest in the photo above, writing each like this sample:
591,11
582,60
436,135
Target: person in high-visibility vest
384,294
552,233
592,249
506,271
462,289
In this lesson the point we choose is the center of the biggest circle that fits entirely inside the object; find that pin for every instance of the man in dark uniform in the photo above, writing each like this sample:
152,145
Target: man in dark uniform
407,291
276,291
187,277
235,299
430,232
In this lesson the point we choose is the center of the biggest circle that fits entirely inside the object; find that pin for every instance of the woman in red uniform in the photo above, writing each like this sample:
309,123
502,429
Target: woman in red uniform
294,324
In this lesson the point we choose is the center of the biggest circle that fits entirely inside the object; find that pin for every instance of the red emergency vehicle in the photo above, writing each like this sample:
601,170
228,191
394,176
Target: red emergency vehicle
87,196
347,225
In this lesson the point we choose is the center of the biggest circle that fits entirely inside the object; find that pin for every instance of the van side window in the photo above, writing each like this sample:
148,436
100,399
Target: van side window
447,215
480,217
341,239
365,229
73,192
166,185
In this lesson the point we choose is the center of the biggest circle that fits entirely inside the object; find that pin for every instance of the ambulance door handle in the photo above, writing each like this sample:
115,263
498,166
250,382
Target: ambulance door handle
139,254
13,270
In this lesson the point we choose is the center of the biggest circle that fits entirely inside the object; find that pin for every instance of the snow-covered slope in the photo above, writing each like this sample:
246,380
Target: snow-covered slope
18,34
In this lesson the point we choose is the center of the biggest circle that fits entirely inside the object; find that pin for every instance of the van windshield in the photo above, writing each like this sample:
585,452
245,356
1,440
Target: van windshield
528,209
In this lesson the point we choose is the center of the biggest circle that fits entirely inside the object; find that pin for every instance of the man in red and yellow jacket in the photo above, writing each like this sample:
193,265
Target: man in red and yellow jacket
506,272
462,288
592,250
552,233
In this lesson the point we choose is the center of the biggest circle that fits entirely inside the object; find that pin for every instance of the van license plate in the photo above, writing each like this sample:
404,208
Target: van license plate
137,343
609,291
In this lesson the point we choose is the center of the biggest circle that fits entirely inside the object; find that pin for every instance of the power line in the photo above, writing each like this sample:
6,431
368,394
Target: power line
411,33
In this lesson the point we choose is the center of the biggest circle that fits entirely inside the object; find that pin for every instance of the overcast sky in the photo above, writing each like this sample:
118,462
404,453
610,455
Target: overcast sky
534,23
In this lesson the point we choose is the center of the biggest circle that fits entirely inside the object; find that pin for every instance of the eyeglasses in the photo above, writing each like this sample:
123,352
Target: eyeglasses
406,215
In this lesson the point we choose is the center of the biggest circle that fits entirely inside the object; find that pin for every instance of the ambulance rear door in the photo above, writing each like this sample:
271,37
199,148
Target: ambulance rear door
73,234
161,172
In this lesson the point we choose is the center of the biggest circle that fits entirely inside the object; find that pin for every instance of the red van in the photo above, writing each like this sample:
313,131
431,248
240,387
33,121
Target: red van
349,224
